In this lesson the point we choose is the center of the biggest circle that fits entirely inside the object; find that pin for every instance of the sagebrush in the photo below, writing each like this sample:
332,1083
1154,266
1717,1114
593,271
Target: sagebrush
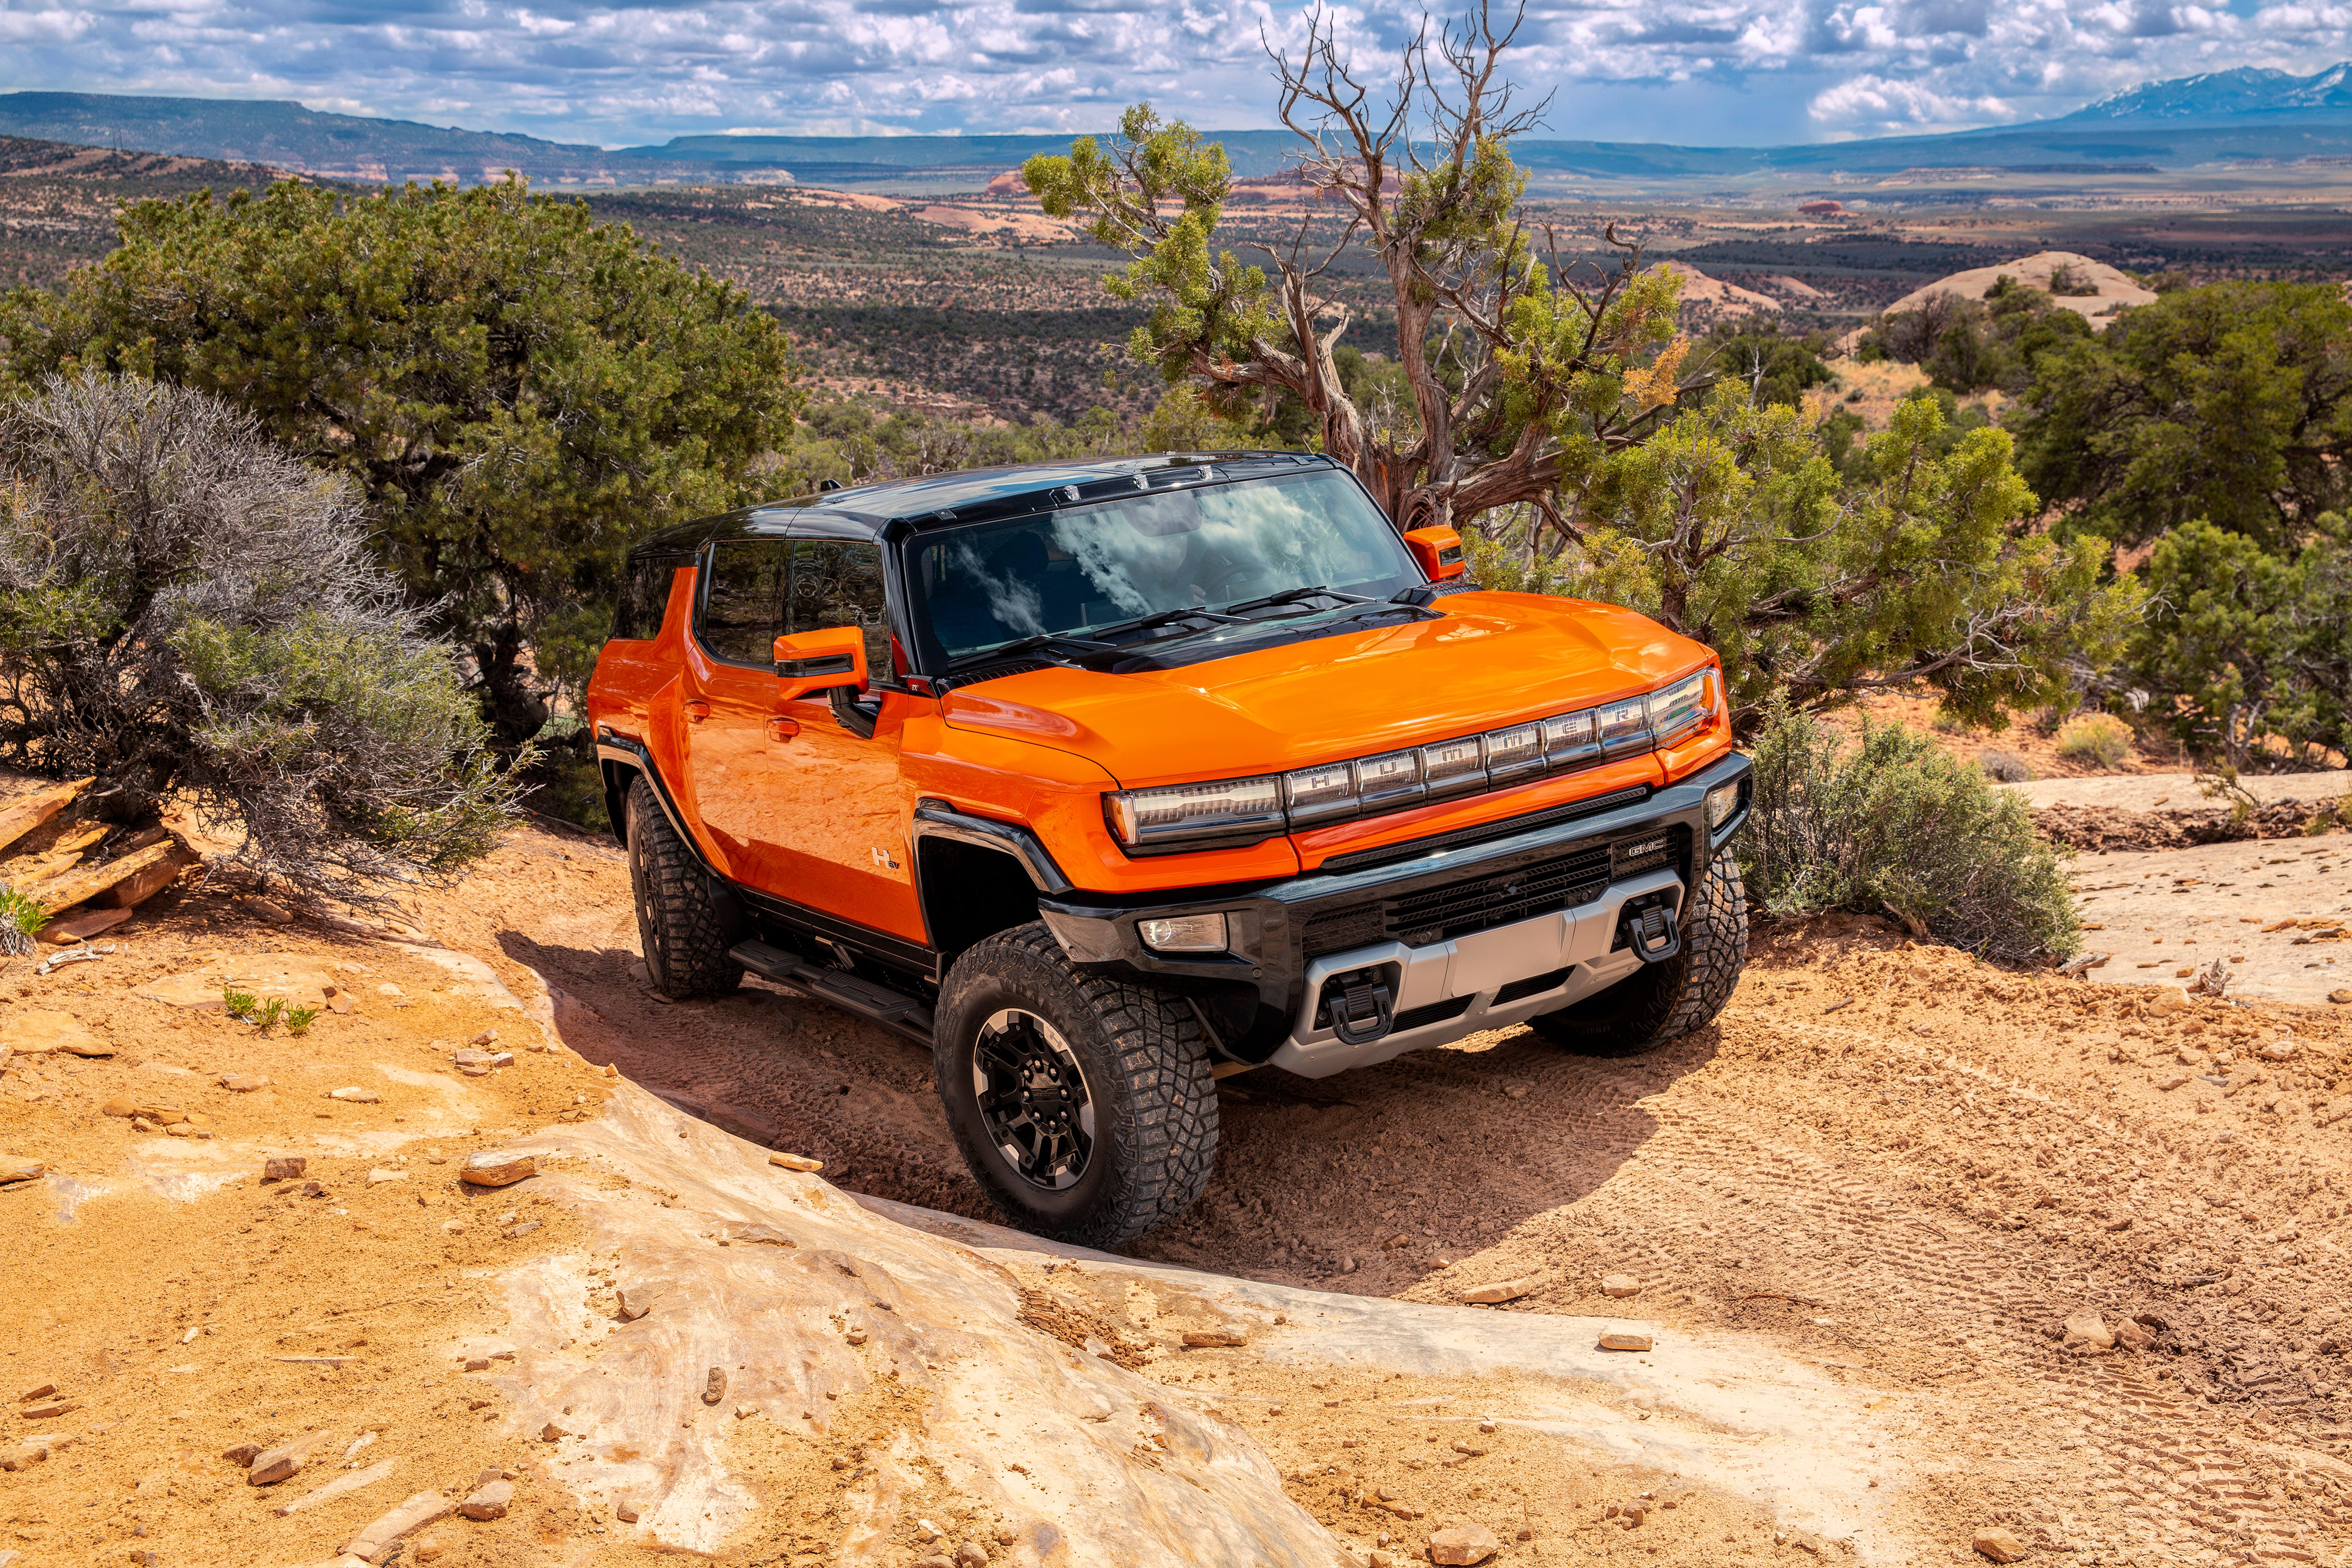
185,608
1888,823
2100,739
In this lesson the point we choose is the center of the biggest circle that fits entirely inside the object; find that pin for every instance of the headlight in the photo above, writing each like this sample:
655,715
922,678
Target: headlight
1688,704
1185,934
1385,783
1722,802
1320,794
1454,767
1238,811
1625,726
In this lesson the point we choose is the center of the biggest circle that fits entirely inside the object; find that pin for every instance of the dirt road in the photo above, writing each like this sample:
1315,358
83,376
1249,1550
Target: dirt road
1900,1166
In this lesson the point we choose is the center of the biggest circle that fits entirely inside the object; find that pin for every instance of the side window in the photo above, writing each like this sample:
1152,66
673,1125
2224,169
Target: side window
837,583
645,594
742,609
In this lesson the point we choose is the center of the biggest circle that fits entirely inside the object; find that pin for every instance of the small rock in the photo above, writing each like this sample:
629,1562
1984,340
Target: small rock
245,1082
934,1561
795,1162
2171,1081
428,1549
551,1433
634,1301
283,1167
2278,1050
517,1232
13,1171
1620,1285
1500,1291
1624,1342
2341,995
355,1096
487,1037
2000,1545
2170,998
477,1363
1214,1340
714,1386
972,1554
767,1235
274,1465
2088,1327
268,909
241,1455
121,1105
2132,1336
626,1512
490,1502
498,1167
1462,1544
380,1174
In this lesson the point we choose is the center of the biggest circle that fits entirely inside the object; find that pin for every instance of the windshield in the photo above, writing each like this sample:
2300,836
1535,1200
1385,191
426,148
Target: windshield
1075,572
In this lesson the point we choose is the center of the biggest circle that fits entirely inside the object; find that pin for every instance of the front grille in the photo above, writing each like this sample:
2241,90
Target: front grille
1473,904
1533,985
1434,1012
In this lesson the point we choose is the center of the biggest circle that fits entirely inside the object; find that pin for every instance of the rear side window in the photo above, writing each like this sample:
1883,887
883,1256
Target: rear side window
743,608
645,594
837,583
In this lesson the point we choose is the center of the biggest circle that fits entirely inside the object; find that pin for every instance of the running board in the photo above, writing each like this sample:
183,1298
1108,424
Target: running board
877,1003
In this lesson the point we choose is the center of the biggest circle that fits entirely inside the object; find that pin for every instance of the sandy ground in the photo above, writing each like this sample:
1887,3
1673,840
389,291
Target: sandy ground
1857,1214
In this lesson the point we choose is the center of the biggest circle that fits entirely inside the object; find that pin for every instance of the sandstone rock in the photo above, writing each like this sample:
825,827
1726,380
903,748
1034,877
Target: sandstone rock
1462,1544
274,1465
1500,1291
795,1162
283,1167
551,1433
517,1232
429,1548
32,1032
475,1063
626,1512
2341,995
972,1554
1620,1285
2171,1081
2089,1329
13,1172
341,1485
380,1174
42,1392
2132,1336
356,1096
490,1502
1214,1339
245,1082
2278,1050
762,1233
714,1385
1615,1341
2170,998
375,1542
634,1301
81,927
241,1455
487,1037
2000,1545
498,1167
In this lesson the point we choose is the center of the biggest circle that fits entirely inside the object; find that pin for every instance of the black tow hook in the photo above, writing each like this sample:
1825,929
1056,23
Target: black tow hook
1648,926
1365,1007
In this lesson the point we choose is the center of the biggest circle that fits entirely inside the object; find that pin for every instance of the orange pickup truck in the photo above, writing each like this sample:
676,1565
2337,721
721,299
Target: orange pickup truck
1104,779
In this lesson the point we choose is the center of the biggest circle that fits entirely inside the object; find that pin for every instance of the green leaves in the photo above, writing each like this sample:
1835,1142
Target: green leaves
521,392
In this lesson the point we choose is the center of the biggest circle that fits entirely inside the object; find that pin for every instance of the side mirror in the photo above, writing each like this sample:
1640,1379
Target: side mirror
1439,551
820,660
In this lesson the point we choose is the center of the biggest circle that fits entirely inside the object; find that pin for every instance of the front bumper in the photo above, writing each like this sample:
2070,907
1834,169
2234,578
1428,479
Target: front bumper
1475,923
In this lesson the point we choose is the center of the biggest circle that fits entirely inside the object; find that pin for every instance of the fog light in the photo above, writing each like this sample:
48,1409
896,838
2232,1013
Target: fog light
1185,934
1721,801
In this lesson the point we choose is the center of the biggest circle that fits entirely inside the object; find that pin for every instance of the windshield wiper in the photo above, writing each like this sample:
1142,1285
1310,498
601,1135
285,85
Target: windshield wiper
1037,644
1293,596
1170,617
1384,607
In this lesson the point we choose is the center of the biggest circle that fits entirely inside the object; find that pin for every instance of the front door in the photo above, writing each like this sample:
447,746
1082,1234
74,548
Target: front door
797,804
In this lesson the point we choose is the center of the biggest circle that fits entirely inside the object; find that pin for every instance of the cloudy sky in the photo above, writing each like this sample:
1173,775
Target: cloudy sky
617,72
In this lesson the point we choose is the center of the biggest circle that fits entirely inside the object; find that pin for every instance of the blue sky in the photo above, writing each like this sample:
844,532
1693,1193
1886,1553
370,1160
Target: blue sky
1694,71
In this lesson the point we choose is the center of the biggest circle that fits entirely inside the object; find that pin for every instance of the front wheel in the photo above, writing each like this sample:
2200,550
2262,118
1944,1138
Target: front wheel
1668,999
680,927
1084,1105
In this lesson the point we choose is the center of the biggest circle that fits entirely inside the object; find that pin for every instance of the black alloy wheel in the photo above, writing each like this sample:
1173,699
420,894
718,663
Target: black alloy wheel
1034,1099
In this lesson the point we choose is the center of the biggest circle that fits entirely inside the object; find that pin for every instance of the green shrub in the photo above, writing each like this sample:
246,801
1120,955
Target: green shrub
1890,823
20,917
2100,739
2003,767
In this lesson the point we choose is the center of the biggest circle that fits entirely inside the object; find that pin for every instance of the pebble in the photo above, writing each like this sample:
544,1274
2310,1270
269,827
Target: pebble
795,1162
714,1386
972,1554
768,1235
1214,1339
2341,995
490,1502
1462,1544
551,1433
1624,1342
380,1174
498,1167
626,1512
2090,1329
274,1465
1500,1291
241,1455
428,1549
245,1082
2278,1050
1620,1285
487,1037
634,1301
2000,1545
517,1232
356,1096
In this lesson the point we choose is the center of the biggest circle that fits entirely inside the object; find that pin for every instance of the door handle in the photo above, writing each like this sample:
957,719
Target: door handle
696,710
782,729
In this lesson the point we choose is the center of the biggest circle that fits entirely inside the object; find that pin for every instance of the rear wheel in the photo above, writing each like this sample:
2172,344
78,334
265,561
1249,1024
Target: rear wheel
679,927
1667,999
1084,1105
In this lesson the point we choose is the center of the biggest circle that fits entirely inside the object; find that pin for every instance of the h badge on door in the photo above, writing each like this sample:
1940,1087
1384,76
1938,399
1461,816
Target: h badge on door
884,859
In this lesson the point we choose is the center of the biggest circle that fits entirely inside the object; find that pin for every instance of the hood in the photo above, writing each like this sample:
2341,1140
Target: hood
1493,659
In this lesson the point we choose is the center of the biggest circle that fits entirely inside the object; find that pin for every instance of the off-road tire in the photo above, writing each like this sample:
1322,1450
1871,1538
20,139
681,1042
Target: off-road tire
1146,1063
1666,1000
679,927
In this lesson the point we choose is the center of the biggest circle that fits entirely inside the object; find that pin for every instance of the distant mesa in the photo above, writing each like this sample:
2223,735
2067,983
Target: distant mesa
1708,299
1823,209
1008,183
2093,288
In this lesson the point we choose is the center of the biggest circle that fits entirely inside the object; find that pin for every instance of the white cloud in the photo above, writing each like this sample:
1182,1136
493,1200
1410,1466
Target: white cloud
615,71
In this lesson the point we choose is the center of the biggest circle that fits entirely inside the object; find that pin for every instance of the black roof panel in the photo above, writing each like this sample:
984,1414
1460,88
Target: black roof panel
861,511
